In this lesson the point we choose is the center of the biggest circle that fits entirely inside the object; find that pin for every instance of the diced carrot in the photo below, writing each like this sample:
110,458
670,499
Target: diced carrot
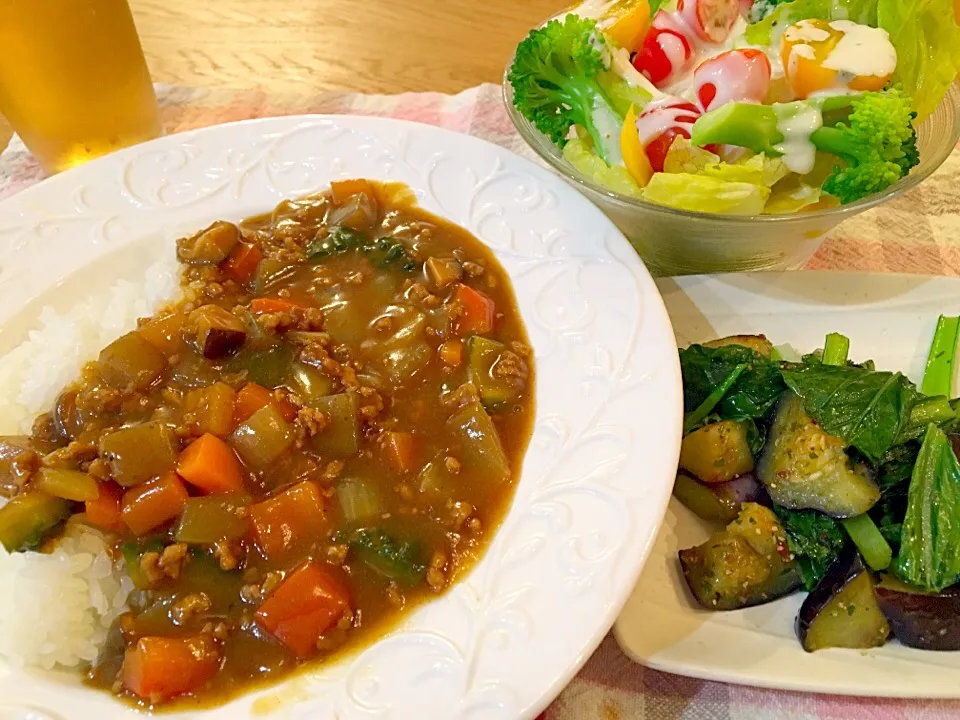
401,450
150,505
476,311
160,668
104,512
451,352
252,397
343,190
242,262
209,464
289,519
262,305
303,607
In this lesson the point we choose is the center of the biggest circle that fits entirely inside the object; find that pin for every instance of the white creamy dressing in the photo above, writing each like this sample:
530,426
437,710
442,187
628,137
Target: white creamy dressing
862,51
609,125
682,84
797,123
661,115
593,9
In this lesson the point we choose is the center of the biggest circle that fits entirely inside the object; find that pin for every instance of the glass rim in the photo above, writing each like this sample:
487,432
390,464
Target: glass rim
540,142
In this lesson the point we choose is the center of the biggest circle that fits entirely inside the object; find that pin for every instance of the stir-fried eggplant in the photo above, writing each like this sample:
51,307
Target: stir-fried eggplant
920,619
718,452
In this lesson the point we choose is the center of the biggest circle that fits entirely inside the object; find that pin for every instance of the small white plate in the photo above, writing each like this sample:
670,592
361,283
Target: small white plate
889,318
596,478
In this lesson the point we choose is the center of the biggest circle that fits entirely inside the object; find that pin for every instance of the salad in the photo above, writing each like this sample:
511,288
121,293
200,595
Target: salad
830,476
739,106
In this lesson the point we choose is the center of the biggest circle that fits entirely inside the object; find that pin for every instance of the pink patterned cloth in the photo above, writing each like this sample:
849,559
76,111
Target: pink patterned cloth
918,233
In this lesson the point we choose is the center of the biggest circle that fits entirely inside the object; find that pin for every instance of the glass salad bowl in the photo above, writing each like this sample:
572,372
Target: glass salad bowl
683,242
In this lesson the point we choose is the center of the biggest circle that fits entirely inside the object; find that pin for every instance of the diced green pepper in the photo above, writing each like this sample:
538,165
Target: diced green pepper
67,484
311,383
482,355
268,368
207,520
392,558
263,438
139,452
133,551
30,518
342,434
479,442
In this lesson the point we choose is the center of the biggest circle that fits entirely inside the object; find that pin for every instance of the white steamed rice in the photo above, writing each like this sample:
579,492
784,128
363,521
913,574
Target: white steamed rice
56,608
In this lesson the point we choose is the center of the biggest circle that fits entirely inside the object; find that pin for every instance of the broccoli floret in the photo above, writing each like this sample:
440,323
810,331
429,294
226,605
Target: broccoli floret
877,141
555,83
871,132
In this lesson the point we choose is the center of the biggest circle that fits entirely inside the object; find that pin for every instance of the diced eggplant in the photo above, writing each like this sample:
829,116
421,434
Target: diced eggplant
341,436
483,355
131,361
67,418
17,461
263,438
218,331
842,610
758,343
139,452
719,502
745,564
921,619
479,442
803,467
67,484
30,518
717,452
210,246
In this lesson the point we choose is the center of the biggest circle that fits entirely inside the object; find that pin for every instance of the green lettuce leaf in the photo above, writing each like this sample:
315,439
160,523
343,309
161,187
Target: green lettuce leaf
929,554
868,409
590,165
927,38
702,193
768,29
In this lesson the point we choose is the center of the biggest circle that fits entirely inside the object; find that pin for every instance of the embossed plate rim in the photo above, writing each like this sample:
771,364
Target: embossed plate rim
594,316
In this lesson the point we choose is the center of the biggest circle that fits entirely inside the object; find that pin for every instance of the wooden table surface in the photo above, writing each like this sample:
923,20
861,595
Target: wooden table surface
373,46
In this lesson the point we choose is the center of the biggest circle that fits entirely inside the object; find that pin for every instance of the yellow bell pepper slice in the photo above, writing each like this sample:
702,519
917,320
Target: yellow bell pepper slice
634,156
631,22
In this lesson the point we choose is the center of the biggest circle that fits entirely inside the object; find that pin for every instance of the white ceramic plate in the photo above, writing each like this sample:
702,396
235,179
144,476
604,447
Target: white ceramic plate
889,318
597,475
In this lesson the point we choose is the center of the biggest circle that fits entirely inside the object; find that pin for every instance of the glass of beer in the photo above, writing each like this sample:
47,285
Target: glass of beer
73,81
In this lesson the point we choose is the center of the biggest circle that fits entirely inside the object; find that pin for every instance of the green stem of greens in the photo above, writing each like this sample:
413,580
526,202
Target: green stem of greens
698,414
935,410
872,545
938,376
835,349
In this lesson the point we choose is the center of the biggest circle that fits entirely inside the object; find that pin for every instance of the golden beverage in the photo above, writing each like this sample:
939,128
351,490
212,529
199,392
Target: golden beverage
73,81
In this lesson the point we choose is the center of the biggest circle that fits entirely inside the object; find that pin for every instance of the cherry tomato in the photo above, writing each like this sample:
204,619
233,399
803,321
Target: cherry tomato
663,55
711,20
733,76
806,50
660,123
